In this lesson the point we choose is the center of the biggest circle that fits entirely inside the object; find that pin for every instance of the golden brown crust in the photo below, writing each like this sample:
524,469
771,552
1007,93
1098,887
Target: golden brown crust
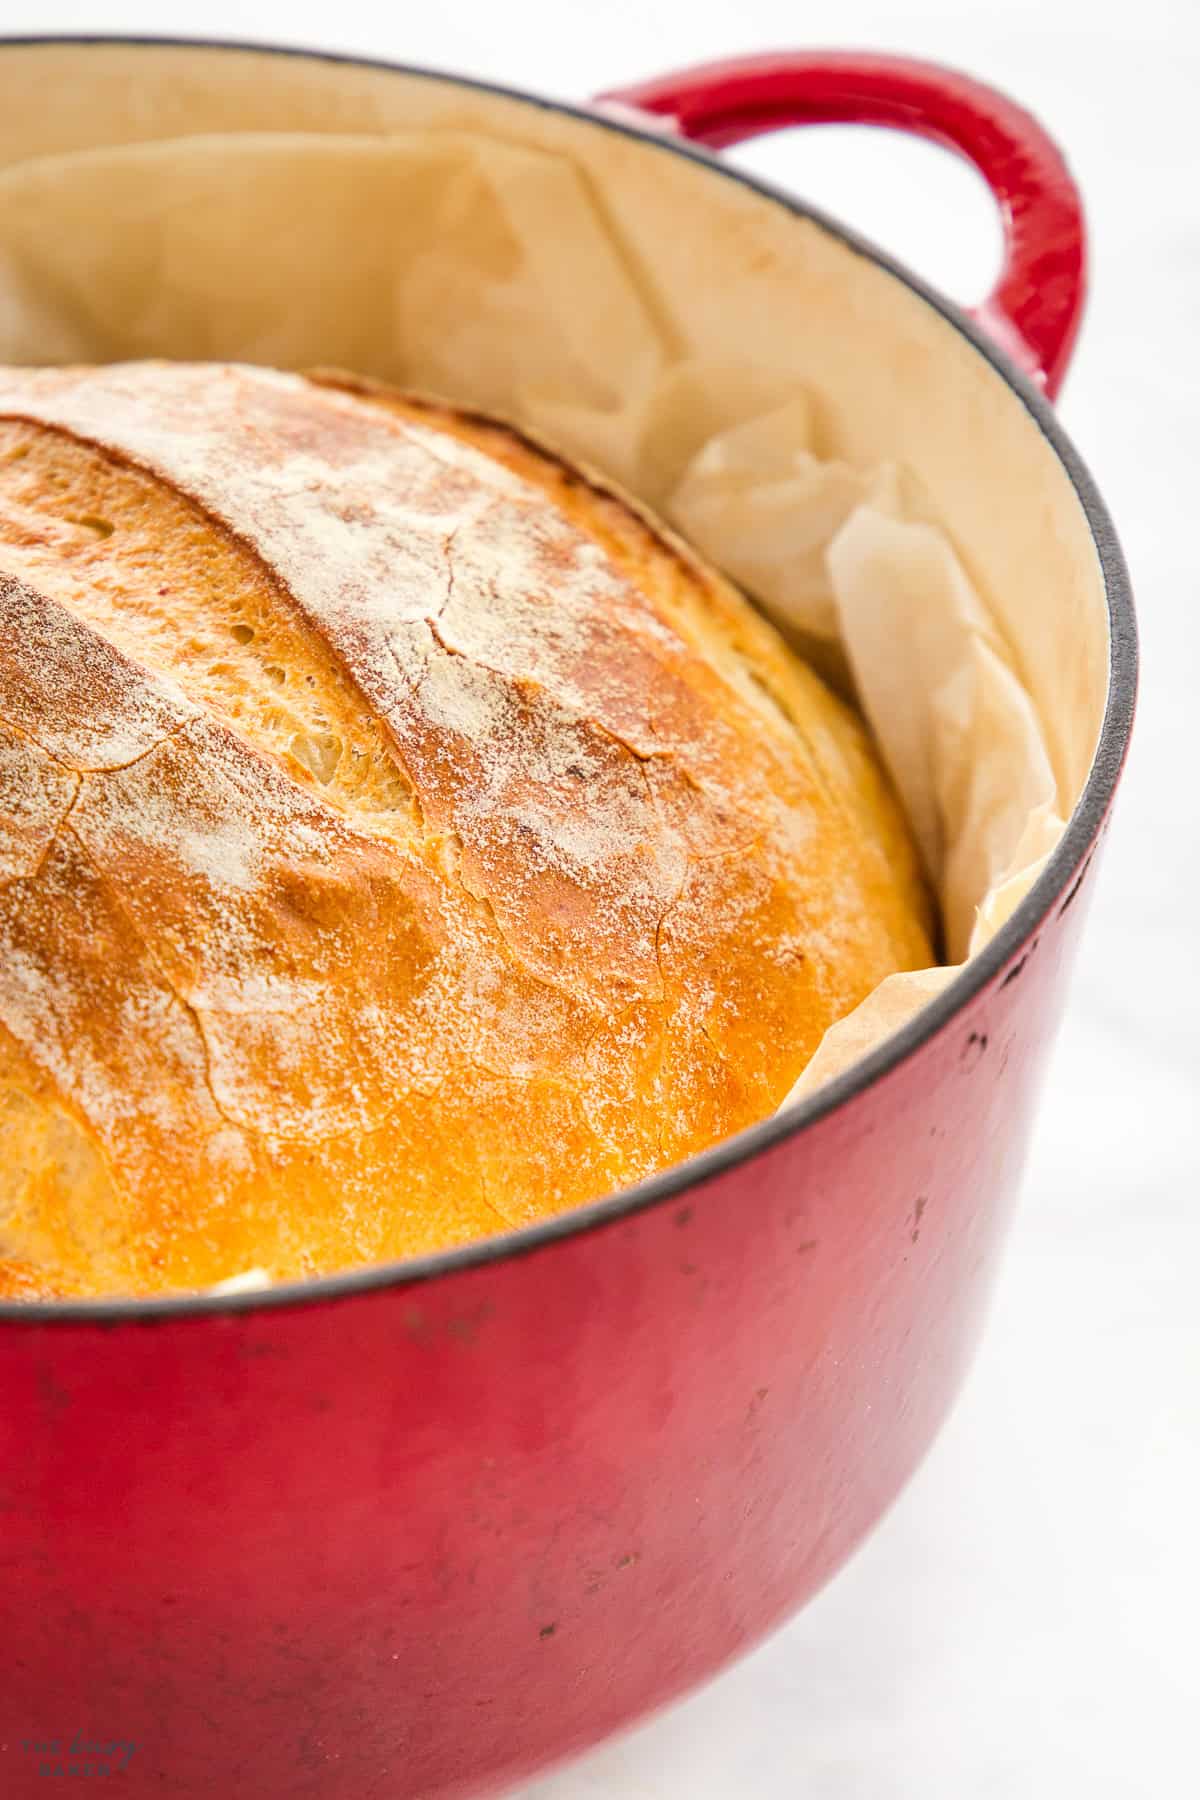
401,836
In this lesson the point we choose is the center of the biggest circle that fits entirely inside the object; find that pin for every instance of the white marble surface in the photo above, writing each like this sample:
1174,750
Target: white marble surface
1026,1624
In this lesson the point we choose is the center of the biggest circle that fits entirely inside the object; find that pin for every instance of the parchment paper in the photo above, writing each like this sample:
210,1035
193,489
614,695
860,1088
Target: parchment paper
489,273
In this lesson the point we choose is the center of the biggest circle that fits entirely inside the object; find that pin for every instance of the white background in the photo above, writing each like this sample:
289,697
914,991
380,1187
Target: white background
1026,1624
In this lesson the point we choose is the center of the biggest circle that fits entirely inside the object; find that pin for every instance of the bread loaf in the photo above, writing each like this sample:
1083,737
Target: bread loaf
402,836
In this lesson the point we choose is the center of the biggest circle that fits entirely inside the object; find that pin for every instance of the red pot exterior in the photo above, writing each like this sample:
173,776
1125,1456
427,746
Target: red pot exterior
419,1541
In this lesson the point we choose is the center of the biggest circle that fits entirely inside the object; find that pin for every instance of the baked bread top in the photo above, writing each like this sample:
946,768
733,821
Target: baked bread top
402,836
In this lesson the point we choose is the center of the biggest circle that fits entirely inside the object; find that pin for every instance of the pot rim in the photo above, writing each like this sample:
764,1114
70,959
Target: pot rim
1059,881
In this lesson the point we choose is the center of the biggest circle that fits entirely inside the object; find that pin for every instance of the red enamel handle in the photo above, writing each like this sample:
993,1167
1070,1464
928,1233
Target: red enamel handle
1034,310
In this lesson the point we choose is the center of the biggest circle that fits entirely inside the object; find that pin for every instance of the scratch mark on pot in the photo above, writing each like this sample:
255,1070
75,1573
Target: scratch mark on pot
53,1394
684,1216
1079,880
249,1348
918,1212
1019,966
465,1328
547,1631
975,1046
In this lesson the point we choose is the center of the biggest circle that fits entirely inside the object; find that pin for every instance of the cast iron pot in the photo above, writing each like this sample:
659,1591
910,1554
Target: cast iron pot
423,1529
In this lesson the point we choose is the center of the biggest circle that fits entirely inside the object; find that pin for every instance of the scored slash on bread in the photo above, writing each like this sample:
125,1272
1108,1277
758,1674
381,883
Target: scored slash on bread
401,836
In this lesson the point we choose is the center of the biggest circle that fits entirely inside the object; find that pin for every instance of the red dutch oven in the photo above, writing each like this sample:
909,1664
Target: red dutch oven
422,1529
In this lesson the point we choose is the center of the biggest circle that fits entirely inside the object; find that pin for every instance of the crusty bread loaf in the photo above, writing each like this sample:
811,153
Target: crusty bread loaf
401,836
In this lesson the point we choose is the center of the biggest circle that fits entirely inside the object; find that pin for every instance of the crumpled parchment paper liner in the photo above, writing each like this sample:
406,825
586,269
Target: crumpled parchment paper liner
490,273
